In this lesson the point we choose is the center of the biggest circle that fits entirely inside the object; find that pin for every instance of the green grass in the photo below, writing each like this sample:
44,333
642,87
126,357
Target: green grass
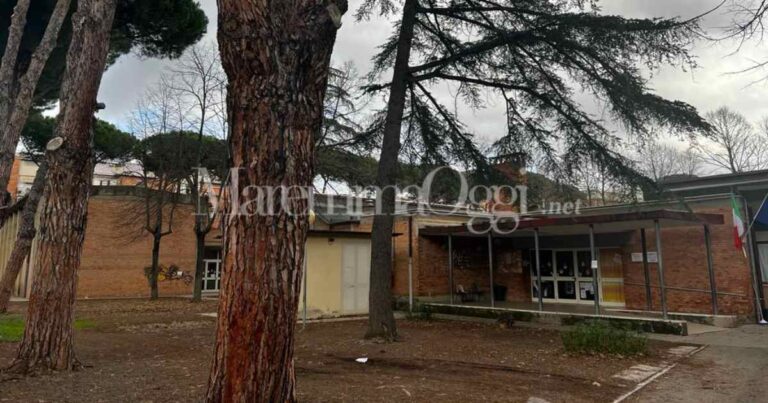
12,327
593,337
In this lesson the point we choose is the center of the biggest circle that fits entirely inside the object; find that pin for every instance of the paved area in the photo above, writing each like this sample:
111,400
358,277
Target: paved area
733,368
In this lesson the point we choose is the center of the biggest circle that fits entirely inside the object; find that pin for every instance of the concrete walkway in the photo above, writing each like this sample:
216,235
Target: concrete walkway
733,368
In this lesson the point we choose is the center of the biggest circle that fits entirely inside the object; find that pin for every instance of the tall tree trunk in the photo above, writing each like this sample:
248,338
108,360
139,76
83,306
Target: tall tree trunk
10,57
197,290
47,343
381,319
24,238
155,268
23,100
276,55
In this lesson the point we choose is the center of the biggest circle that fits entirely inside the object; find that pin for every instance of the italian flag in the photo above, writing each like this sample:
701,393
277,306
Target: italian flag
739,229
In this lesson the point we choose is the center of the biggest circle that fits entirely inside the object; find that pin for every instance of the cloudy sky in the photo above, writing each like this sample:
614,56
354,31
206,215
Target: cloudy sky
709,86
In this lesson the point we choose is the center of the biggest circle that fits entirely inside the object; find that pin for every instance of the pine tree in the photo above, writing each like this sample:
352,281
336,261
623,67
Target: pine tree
276,56
47,343
535,55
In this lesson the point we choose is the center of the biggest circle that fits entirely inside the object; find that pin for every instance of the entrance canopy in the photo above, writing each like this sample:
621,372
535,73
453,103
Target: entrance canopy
593,224
579,224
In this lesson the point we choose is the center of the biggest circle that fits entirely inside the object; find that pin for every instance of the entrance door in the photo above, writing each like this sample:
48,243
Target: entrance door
611,277
566,275
565,263
355,275
212,273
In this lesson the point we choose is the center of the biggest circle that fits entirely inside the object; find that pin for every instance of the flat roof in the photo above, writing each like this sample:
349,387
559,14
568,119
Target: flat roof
716,181
579,224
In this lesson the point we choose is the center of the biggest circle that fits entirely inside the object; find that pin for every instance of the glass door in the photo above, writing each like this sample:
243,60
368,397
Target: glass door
212,274
566,275
586,284
547,274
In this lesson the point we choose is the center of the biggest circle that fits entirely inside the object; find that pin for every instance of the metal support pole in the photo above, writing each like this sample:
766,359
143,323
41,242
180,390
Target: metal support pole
304,286
756,286
593,260
660,265
538,268
646,272
490,265
450,264
710,269
410,264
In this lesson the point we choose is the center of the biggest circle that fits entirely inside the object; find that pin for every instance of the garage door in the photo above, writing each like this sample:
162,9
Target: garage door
356,270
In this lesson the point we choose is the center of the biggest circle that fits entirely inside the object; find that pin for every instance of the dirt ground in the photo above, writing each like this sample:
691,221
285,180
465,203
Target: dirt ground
141,351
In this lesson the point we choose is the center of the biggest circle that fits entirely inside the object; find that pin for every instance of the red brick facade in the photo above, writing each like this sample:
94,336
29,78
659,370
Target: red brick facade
685,266
684,258
115,253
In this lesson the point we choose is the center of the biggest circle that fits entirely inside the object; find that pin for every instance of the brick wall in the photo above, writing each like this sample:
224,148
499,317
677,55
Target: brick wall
685,266
115,252
470,267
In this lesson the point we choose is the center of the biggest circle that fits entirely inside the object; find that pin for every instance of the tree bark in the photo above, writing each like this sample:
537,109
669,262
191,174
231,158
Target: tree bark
47,343
155,268
276,55
381,319
10,57
19,110
24,238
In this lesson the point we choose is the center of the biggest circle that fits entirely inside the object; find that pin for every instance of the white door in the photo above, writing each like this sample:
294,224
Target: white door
355,275
762,249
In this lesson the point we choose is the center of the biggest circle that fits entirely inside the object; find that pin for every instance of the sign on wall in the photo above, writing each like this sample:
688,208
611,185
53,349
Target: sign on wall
653,257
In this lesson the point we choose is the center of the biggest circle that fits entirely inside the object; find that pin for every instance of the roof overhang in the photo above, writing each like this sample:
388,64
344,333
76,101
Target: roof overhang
752,179
579,224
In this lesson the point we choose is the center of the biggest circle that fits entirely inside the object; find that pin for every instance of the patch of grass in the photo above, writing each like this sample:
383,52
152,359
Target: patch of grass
12,327
595,336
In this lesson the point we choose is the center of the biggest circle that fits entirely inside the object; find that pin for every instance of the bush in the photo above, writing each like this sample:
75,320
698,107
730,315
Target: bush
601,337
420,312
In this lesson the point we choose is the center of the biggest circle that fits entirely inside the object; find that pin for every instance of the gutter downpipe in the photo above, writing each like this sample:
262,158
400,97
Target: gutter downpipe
410,263
538,268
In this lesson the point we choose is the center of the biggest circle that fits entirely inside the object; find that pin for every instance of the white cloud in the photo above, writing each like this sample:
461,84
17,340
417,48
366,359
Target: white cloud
707,87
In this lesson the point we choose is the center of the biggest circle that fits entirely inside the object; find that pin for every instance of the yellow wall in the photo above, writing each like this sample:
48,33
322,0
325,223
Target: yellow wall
323,277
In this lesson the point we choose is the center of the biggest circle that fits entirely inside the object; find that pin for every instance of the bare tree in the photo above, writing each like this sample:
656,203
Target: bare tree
48,334
689,162
161,193
659,160
157,120
731,143
602,188
199,81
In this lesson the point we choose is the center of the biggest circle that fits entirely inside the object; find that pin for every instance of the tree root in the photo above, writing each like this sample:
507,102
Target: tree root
21,367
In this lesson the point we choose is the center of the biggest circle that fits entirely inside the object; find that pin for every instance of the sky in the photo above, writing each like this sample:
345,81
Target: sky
707,87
